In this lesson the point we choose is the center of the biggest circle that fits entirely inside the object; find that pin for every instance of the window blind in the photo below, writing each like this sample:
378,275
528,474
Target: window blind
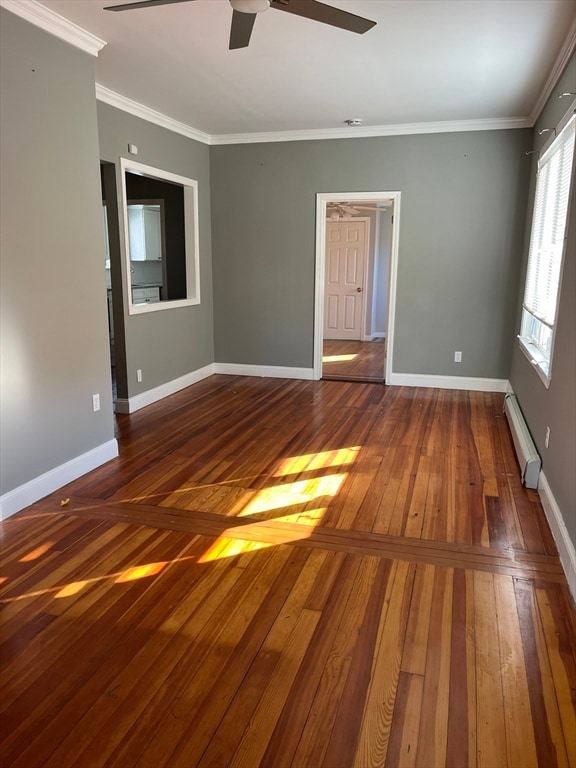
546,250
549,227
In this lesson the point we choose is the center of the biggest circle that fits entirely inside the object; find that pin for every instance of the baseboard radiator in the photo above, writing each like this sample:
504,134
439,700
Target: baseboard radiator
526,452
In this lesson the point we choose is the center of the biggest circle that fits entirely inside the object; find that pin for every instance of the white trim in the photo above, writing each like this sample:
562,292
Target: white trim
115,99
562,59
406,129
272,371
535,358
54,24
449,382
322,198
192,243
146,113
560,533
50,481
135,403
364,310
375,335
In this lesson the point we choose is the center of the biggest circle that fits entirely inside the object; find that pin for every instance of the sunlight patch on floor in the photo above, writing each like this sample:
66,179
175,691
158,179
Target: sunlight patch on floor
36,553
290,494
230,547
310,517
338,358
73,588
120,577
226,547
141,572
319,460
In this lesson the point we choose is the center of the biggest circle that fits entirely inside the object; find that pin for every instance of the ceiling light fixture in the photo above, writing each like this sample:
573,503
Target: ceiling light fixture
250,6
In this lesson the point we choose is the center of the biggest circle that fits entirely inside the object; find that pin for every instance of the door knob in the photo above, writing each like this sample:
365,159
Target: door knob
359,290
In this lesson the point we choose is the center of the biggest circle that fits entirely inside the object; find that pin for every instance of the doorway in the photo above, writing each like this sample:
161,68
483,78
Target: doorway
356,264
113,267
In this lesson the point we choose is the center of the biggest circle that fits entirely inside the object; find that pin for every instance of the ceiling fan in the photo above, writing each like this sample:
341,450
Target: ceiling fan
244,15
346,209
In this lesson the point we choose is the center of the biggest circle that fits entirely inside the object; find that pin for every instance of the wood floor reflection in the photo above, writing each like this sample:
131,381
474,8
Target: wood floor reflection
354,360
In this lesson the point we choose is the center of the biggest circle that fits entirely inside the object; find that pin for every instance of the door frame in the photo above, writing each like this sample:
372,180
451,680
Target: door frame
322,198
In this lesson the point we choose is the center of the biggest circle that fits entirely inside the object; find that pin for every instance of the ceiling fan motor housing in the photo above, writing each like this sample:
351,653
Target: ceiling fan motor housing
250,6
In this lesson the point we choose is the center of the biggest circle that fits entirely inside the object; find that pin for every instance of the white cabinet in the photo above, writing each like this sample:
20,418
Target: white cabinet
145,232
145,295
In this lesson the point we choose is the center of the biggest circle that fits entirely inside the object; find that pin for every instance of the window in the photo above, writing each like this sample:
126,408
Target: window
546,252
161,238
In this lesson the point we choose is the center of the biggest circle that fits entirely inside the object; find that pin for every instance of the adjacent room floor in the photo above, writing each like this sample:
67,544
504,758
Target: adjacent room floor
354,360
284,573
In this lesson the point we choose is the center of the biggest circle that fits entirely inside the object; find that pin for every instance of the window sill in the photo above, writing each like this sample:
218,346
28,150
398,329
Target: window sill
155,306
536,359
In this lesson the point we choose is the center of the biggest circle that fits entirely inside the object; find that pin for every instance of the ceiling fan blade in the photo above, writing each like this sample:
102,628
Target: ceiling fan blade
143,4
241,29
326,14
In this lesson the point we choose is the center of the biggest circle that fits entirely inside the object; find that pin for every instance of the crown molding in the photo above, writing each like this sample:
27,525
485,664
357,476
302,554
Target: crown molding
448,126
114,99
56,25
151,115
561,60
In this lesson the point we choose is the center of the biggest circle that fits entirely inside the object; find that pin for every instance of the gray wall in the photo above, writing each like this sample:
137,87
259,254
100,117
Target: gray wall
53,289
169,343
554,407
462,225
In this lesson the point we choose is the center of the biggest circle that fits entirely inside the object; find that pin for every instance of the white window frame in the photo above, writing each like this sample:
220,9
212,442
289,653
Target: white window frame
191,235
537,328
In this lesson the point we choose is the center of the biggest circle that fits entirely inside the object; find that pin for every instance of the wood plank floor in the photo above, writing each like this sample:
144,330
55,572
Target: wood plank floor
283,573
354,360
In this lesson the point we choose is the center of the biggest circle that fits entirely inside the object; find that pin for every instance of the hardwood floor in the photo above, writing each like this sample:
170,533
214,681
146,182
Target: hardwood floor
354,360
283,573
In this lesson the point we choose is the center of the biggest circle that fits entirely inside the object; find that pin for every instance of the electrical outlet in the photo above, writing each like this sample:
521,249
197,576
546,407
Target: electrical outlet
96,402
457,357
139,375
547,438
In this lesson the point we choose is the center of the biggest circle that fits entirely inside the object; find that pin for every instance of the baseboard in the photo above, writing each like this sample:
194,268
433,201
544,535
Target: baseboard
562,538
31,492
132,404
272,371
373,336
449,382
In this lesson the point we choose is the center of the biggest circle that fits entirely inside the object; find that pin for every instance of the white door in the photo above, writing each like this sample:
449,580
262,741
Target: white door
344,288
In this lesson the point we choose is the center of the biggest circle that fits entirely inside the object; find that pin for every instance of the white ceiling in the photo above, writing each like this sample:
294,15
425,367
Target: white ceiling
426,61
